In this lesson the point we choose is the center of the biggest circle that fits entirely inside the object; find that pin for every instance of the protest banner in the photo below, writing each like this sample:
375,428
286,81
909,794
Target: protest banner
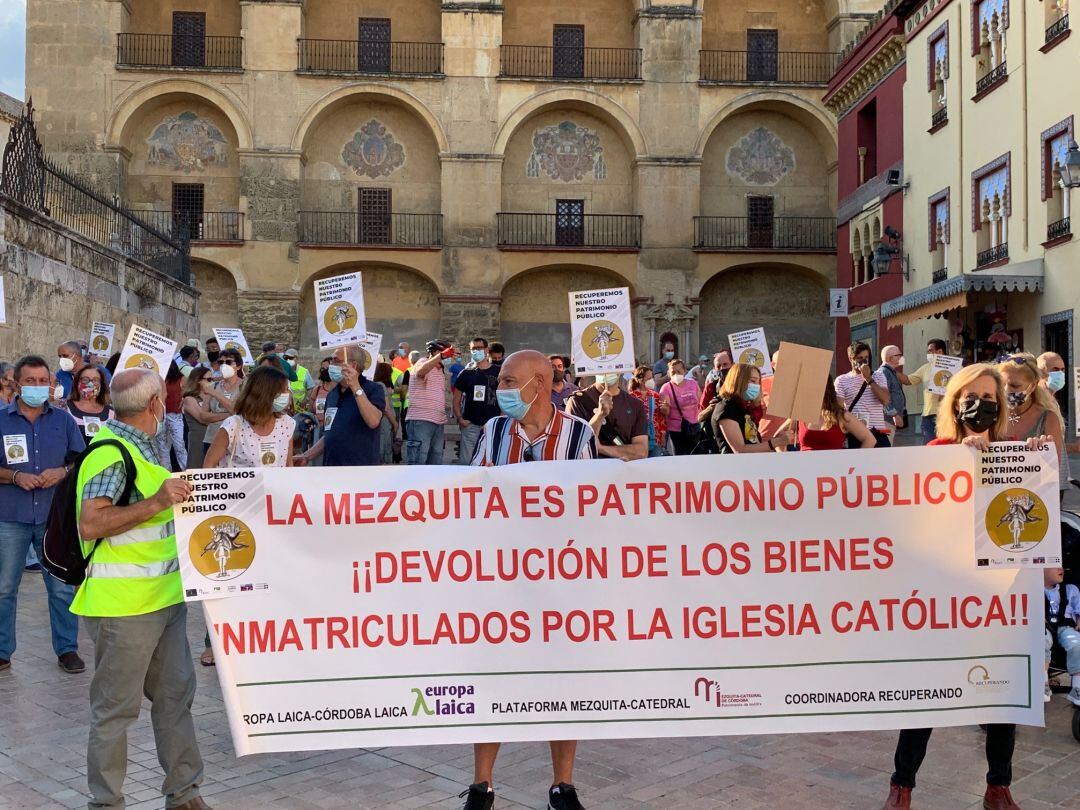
372,345
572,600
146,349
751,347
601,331
798,387
941,371
339,310
101,338
233,338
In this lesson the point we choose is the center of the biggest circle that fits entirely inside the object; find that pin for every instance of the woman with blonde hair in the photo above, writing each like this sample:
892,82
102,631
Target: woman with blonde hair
736,412
1033,410
973,412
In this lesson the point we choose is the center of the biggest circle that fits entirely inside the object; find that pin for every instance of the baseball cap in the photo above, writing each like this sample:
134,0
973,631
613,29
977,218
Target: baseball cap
290,353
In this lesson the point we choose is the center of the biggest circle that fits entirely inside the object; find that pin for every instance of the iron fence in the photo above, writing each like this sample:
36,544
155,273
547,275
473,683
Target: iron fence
1056,230
939,276
570,230
939,117
569,62
990,79
994,254
777,233
179,50
783,67
353,56
32,180
1057,29
376,230
199,226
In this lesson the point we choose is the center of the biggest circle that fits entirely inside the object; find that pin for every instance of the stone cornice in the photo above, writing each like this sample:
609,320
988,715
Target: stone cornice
875,68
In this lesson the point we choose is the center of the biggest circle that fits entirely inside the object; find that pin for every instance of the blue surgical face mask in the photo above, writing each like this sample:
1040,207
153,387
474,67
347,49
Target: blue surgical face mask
512,403
478,355
160,428
669,355
281,402
1055,381
335,373
34,395
400,352
447,362
753,391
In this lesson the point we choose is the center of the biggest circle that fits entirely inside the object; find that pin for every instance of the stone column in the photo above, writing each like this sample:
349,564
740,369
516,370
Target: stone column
463,317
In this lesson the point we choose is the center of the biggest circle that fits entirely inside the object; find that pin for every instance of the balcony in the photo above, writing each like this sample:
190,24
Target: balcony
342,56
1058,230
570,231
570,63
388,230
995,255
780,67
1058,29
939,119
179,52
991,80
939,276
795,234
204,226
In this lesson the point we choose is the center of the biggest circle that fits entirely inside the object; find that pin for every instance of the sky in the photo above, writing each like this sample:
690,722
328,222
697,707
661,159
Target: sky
12,47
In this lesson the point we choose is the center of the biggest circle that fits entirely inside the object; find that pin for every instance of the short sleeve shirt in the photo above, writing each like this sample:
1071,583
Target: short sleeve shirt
349,440
33,447
626,420
247,448
735,411
868,409
477,387
427,397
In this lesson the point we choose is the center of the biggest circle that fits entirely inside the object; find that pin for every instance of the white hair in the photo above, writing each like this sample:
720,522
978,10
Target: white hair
887,350
414,356
131,390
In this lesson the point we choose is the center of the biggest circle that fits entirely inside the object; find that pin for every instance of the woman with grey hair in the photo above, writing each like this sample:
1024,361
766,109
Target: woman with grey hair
7,383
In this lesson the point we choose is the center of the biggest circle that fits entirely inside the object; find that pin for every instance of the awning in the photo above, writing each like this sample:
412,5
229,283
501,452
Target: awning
953,292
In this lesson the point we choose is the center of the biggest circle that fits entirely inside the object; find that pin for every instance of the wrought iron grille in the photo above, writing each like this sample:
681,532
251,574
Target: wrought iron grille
31,180
786,233
179,50
939,276
354,228
1058,229
570,227
201,226
990,79
994,254
939,117
347,56
569,62
753,67
1058,28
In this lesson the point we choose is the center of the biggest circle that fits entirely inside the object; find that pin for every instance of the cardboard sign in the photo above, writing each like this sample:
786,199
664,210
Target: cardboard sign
233,338
339,310
752,348
146,349
941,371
101,338
799,384
602,337
838,303
372,345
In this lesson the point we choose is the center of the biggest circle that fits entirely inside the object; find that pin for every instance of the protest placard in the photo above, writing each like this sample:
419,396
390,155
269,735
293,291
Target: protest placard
233,338
601,331
751,347
799,383
339,310
372,345
461,604
146,349
941,371
101,340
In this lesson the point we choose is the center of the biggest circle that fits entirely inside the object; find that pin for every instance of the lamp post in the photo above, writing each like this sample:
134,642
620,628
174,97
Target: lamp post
1070,168
884,256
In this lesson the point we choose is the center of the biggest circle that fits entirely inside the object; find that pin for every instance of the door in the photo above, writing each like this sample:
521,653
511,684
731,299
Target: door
760,225
1056,339
187,209
569,223
189,39
374,45
375,205
568,51
761,55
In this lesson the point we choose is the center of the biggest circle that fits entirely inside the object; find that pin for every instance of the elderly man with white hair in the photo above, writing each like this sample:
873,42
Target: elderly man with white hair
133,599
892,366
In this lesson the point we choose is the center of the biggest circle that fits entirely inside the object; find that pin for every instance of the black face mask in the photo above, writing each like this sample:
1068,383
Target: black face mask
324,375
213,356
979,414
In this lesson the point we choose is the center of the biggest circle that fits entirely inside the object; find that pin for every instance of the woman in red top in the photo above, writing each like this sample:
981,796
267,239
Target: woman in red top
830,432
172,437
642,388
973,412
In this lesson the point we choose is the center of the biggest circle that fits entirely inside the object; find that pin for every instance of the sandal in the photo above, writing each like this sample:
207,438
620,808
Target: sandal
207,658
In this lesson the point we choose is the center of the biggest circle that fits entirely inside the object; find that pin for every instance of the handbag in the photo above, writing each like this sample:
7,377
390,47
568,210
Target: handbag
691,430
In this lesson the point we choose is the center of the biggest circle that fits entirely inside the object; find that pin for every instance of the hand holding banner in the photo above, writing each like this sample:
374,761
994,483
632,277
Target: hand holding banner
146,349
101,338
941,371
601,331
339,310
233,338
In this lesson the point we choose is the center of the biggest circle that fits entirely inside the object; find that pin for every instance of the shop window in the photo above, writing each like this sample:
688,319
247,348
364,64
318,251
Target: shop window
938,75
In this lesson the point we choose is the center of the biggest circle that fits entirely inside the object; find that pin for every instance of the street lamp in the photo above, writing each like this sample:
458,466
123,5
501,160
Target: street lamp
884,255
1070,168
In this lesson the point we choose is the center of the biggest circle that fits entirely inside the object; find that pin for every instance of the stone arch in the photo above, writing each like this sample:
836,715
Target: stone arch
218,303
326,104
535,311
745,296
130,106
583,100
816,120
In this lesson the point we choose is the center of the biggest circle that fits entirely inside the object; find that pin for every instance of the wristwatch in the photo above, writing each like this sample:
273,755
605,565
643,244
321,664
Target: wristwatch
359,392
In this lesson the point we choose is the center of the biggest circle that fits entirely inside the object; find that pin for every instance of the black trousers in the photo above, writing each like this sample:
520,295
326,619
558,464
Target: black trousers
681,442
911,748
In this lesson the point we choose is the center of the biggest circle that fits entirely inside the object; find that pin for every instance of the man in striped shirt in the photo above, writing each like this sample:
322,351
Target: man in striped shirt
426,417
865,393
532,429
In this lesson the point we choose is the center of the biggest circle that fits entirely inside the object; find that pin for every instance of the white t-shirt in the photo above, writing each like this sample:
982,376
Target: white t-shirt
248,449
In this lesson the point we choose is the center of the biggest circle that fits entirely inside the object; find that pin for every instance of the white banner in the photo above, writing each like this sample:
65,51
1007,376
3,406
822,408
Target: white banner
941,371
751,347
102,336
233,338
601,331
669,597
339,310
372,345
146,349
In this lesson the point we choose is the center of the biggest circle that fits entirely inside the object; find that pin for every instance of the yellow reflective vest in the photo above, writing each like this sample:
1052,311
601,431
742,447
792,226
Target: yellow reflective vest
299,387
136,571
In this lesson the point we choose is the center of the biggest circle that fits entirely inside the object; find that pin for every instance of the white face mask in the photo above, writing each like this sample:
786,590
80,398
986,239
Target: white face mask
608,379
930,357
650,384
678,378
227,372
66,364
58,392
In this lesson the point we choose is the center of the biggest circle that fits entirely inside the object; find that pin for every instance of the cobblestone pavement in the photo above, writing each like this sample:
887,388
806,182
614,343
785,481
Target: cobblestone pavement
43,728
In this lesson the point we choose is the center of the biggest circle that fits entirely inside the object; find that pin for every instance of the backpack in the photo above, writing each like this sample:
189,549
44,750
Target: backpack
62,553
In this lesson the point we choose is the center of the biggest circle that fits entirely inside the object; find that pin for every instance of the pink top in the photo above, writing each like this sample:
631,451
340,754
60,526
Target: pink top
682,398
427,397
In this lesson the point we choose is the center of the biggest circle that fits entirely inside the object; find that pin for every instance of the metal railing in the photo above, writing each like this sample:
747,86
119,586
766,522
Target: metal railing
199,226
783,67
179,51
569,62
990,79
30,179
939,276
586,231
781,233
939,117
387,230
1057,29
352,56
994,254
1056,230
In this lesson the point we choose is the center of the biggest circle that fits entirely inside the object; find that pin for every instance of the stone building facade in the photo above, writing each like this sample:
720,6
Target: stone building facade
476,160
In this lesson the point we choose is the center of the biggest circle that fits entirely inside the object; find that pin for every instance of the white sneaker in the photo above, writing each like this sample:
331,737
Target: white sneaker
1074,696
1047,692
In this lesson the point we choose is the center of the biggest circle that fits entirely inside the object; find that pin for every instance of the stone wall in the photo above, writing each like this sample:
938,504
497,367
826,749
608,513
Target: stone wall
57,283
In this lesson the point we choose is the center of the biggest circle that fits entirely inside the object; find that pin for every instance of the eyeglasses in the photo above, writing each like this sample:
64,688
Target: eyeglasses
1020,361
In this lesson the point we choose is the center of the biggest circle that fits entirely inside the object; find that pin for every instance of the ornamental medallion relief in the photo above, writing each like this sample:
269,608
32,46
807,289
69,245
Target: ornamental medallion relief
760,158
373,151
567,152
186,143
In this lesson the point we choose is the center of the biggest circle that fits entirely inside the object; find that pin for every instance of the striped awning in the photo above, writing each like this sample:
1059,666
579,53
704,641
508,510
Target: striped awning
953,293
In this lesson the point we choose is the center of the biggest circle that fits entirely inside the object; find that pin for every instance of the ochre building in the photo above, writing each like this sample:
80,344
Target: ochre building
476,161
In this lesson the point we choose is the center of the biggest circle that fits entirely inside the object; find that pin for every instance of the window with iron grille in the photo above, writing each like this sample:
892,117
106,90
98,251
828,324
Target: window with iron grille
375,206
374,45
568,51
569,223
189,38
187,209
760,221
762,46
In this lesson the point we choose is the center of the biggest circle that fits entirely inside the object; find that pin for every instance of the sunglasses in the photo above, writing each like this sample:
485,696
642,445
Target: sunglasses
1020,361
